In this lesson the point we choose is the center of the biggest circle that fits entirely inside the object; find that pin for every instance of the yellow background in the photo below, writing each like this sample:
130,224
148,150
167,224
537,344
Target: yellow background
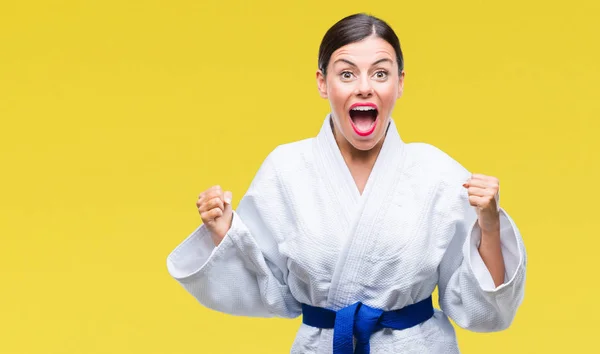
115,115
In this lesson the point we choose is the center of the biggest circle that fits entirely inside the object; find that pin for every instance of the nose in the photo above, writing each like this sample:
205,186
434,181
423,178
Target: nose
364,88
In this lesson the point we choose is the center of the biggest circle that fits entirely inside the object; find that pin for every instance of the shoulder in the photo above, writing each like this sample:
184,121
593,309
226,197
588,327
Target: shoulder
283,160
436,162
291,156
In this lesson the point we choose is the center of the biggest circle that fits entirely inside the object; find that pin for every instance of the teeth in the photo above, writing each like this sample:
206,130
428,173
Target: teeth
363,108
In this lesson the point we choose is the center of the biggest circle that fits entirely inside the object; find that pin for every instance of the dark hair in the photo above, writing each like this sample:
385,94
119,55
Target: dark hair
355,28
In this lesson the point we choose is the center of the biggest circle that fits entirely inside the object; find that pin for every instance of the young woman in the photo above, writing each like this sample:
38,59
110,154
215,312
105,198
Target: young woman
353,229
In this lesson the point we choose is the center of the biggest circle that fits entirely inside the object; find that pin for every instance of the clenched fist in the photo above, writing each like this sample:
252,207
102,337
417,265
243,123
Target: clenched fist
214,207
483,195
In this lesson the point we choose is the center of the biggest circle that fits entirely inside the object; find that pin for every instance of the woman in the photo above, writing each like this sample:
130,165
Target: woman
354,229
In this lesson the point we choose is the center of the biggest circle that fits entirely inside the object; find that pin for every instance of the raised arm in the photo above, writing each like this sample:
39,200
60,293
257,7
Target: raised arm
468,292
244,274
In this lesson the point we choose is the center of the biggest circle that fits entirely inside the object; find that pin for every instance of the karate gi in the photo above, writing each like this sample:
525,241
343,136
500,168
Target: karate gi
303,234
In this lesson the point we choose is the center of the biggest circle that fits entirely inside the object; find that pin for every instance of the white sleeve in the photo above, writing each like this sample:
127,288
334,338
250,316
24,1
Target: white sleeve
245,274
467,292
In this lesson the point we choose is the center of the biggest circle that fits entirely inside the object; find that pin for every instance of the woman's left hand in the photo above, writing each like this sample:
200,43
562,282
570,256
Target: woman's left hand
483,195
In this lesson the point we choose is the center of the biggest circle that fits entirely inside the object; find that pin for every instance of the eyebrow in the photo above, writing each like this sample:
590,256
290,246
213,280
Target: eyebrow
354,65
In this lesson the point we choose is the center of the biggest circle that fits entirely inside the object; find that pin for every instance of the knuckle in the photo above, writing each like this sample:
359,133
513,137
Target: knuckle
215,202
210,214
216,212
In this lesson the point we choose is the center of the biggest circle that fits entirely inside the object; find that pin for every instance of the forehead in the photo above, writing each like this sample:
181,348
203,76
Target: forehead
369,50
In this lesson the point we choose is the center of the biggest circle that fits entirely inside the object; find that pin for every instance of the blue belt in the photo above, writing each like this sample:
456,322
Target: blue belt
361,321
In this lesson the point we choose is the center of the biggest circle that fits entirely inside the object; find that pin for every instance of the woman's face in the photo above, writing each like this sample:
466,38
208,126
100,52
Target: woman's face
362,85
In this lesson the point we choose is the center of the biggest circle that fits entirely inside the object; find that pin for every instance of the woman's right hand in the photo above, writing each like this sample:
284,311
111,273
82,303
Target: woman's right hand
214,207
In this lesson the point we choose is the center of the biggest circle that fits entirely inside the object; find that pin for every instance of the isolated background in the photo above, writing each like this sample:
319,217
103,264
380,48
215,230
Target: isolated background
115,115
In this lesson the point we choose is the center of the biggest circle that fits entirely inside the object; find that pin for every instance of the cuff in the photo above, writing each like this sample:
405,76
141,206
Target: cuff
196,251
510,252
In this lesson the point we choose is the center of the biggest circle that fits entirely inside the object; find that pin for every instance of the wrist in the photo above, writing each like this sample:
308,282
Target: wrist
491,229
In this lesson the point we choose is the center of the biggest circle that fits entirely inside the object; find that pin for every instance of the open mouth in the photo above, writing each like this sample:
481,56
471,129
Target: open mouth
364,118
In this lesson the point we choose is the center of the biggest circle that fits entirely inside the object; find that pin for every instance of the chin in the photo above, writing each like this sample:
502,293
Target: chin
364,145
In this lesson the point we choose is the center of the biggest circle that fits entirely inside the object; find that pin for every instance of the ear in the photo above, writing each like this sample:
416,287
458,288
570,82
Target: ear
401,85
321,84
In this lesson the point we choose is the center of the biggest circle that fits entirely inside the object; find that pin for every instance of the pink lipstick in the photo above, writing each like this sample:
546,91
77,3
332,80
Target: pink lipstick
363,117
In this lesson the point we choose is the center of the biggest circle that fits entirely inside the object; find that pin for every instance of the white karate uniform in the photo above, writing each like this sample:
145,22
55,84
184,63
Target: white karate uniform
304,234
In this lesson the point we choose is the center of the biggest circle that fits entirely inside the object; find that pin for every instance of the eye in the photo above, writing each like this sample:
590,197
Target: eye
381,74
346,75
